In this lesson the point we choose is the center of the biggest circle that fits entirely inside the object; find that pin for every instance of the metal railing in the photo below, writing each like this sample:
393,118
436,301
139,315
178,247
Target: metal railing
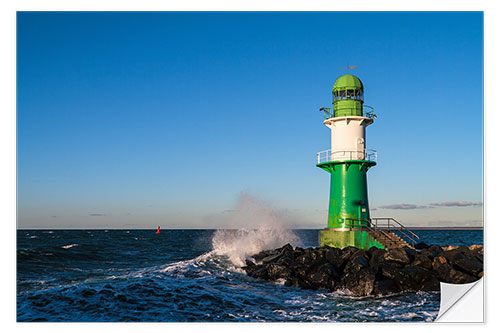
330,112
381,224
344,155
389,223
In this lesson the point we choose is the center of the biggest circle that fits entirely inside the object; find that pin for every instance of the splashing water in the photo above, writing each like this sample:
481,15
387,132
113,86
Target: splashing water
268,231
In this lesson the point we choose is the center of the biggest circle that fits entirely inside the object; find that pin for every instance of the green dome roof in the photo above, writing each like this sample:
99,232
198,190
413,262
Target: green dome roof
347,81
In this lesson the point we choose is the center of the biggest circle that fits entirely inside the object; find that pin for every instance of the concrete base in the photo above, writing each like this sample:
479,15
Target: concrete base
344,238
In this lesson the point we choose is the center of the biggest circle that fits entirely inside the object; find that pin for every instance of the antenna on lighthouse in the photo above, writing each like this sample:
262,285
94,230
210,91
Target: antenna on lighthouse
348,68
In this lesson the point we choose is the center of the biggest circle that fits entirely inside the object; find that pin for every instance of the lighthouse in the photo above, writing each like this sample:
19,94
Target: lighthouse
348,162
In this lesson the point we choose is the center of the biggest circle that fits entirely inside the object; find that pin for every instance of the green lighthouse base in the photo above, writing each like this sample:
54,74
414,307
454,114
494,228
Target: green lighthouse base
343,238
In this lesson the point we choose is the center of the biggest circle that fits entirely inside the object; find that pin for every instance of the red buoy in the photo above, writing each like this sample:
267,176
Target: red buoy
158,231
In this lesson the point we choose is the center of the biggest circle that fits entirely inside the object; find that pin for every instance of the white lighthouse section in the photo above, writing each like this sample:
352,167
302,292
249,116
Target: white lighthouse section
348,138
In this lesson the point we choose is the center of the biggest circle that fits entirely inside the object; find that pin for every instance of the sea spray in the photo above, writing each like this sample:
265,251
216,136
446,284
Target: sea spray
252,227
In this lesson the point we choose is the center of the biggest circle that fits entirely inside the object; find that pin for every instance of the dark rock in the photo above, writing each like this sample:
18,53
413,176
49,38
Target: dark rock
261,255
480,258
447,274
428,253
372,272
434,249
477,249
271,258
305,259
387,271
275,255
286,259
422,261
361,283
457,253
470,265
376,256
397,256
421,246
384,287
412,278
347,252
411,253
257,271
275,272
286,249
334,256
356,262
431,283
298,251
249,262
292,282
319,279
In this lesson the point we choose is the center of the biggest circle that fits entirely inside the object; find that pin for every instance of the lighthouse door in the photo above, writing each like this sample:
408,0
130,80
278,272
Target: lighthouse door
360,149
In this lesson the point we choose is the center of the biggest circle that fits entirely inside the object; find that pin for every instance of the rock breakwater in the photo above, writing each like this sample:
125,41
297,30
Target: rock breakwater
372,272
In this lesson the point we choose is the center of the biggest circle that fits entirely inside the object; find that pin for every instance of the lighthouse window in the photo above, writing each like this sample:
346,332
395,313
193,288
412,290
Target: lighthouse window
350,94
342,94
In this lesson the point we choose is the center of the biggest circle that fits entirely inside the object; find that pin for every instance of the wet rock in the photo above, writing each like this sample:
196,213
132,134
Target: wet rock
334,256
257,271
372,272
438,261
397,256
457,253
470,265
271,258
422,261
447,274
434,249
286,249
411,278
249,262
477,249
356,262
421,246
261,255
347,252
388,271
286,259
411,253
376,256
322,276
361,283
480,258
275,272
431,284
384,287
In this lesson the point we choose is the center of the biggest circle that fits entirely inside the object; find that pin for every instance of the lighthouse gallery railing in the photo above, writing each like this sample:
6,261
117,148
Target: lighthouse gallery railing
344,155
381,224
328,113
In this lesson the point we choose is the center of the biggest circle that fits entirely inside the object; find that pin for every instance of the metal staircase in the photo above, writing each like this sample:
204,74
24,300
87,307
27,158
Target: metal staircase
387,231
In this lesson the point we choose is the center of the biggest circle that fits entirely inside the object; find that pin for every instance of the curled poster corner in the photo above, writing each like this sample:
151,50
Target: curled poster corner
462,303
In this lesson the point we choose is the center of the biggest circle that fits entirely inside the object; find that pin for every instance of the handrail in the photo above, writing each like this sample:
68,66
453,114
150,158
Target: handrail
330,112
343,155
392,224
405,232
367,226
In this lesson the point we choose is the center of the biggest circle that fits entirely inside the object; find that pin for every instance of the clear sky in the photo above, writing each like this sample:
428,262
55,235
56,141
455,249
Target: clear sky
141,119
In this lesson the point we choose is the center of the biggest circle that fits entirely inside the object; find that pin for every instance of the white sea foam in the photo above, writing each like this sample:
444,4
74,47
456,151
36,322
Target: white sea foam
69,246
258,228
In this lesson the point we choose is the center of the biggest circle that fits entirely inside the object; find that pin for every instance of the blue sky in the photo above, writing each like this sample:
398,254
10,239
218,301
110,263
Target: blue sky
141,119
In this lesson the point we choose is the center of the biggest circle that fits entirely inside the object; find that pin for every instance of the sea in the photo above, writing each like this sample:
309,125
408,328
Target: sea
190,276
